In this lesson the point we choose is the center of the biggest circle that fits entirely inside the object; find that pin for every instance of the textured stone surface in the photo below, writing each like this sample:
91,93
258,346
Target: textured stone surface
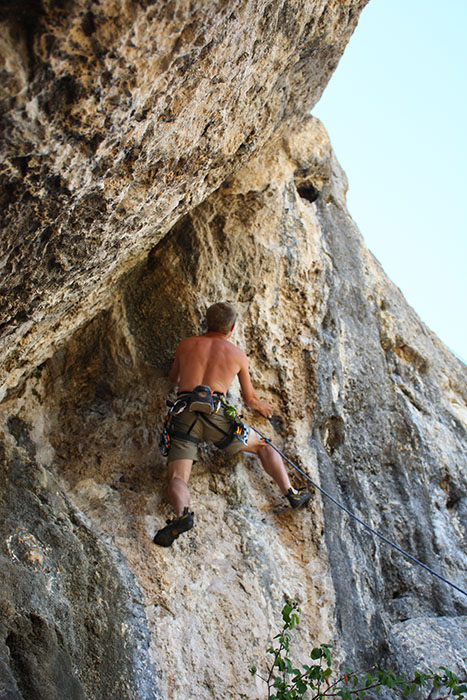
118,117
118,127
431,642
71,620
368,402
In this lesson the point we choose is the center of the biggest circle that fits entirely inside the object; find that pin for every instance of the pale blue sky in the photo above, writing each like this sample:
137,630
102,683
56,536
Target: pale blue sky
396,113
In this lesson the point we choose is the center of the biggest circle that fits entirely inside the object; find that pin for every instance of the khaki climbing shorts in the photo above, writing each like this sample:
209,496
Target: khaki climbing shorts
203,431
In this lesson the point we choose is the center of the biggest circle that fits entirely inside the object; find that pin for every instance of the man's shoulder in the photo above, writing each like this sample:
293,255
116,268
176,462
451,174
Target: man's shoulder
202,339
235,350
194,340
185,345
190,339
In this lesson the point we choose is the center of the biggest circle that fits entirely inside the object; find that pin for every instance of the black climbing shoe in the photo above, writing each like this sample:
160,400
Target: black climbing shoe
173,529
298,499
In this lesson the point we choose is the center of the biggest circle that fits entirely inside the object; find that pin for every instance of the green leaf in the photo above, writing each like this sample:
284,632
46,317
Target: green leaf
286,610
327,653
313,672
253,670
345,694
451,679
316,653
294,620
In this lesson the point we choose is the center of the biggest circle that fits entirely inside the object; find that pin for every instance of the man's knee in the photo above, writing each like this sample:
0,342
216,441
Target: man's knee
176,486
174,480
255,444
180,469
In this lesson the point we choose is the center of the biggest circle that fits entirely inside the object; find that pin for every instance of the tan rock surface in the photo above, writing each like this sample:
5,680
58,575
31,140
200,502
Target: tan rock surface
139,189
368,402
120,117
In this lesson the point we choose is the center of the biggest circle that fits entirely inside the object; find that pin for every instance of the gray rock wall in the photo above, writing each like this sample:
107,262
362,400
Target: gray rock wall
368,403
123,256
391,417
72,623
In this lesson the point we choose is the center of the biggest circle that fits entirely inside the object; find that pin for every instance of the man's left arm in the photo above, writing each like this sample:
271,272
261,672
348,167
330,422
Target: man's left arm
250,396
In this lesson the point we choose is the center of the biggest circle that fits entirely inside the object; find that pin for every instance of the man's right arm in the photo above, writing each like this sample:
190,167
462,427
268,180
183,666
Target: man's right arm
249,394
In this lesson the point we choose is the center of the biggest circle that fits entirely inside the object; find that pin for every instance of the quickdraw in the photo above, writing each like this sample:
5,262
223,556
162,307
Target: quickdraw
164,440
242,431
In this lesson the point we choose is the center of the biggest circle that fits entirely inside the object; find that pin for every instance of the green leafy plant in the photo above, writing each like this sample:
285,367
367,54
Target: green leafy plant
315,680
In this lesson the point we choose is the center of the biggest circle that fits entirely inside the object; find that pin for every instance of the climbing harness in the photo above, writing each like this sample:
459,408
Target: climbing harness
202,402
362,522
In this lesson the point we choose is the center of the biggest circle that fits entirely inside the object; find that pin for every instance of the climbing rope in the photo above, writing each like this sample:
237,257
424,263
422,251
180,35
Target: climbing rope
355,517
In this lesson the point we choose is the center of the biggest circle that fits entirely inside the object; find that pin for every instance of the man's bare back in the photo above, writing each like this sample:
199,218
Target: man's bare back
213,360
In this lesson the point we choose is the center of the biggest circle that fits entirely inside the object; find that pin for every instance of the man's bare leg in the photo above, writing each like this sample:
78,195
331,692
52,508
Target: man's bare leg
177,491
274,466
271,461
179,499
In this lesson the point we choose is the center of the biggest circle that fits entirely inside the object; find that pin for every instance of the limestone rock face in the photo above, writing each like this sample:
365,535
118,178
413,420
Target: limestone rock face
118,117
367,400
430,642
72,623
368,403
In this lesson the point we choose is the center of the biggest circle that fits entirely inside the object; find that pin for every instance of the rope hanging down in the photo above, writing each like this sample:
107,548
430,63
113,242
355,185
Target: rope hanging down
362,522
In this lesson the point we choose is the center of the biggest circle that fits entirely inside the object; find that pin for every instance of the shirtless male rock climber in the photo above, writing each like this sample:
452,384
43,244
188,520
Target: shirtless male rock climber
205,366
